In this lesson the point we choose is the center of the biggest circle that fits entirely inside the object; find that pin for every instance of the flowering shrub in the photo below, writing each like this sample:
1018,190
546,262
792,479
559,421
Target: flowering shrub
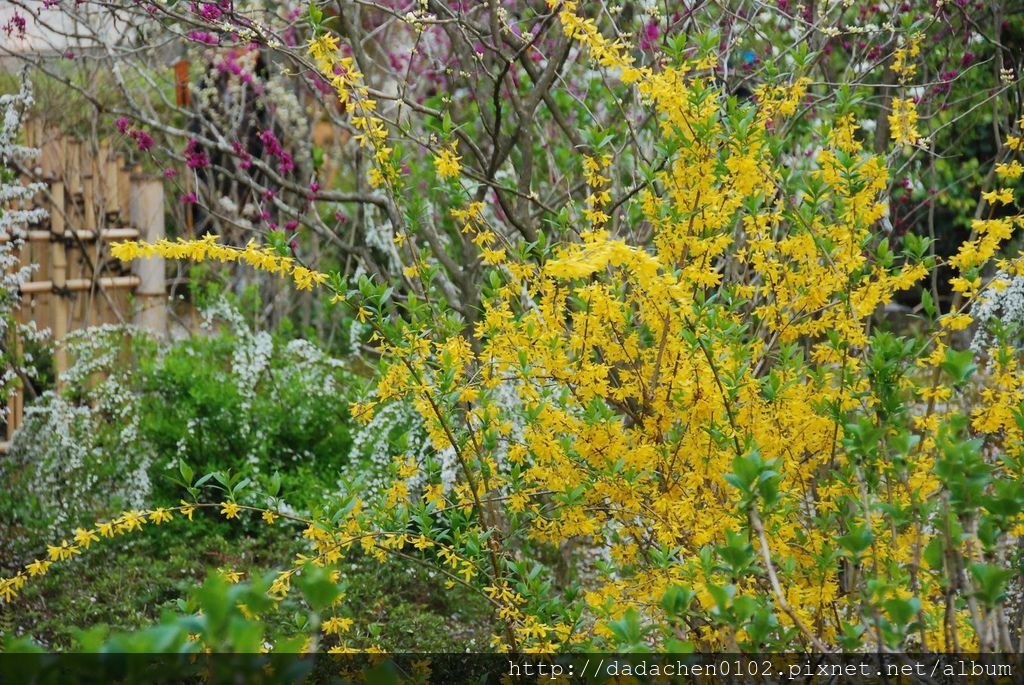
60,466
666,409
247,402
17,339
238,401
259,140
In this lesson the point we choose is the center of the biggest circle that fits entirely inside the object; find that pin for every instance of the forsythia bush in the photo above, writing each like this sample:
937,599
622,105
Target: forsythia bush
707,439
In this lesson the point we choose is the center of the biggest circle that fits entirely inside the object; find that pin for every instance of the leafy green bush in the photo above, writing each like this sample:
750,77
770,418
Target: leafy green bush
233,400
245,401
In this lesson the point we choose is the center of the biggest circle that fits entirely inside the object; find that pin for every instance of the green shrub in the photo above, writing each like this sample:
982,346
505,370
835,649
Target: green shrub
234,400
245,401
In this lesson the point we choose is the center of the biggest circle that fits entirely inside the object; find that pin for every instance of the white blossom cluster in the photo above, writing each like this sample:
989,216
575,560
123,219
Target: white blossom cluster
258,369
396,430
249,364
999,311
86,450
80,451
15,215
279,97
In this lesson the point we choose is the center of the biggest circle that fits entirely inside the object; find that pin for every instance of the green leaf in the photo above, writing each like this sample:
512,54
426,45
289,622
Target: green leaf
316,15
317,587
186,471
274,486
856,541
933,554
627,630
902,611
959,365
991,581
677,600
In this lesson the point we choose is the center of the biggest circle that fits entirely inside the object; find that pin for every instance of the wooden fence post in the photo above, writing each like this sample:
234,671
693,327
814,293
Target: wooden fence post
59,272
15,407
147,215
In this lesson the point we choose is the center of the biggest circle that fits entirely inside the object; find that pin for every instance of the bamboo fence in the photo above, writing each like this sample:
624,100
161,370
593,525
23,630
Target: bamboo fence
92,199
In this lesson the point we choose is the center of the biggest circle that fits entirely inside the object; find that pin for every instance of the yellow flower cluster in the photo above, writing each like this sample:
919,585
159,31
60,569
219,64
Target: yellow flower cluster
612,54
208,249
84,537
490,243
643,388
902,63
780,99
903,122
126,522
447,162
594,170
343,74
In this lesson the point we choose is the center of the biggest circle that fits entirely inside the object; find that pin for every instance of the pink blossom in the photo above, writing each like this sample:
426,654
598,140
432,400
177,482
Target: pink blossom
16,25
143,140
194,156
207,11
203,37
287,164
271,145
649,38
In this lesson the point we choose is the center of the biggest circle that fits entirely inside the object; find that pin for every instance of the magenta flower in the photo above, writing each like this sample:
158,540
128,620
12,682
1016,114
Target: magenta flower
16,25
271,145
244,158
208,11
649,38
287,164
203,37
195,158
143,140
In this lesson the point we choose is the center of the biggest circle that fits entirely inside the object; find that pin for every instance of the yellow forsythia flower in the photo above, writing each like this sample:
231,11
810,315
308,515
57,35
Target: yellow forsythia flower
229,509
447,162
903,122
160,516
336,625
